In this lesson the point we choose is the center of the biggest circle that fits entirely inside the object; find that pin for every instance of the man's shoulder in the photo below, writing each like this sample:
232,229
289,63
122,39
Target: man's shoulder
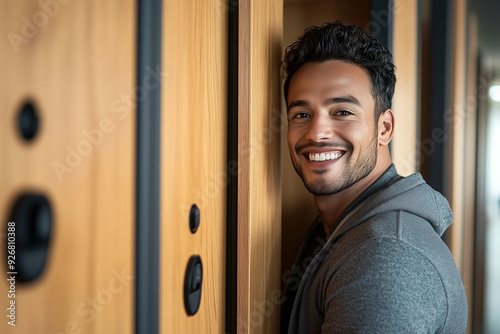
406,231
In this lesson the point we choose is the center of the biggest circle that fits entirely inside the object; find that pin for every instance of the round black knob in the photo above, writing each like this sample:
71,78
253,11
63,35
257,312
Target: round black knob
194,218
28,121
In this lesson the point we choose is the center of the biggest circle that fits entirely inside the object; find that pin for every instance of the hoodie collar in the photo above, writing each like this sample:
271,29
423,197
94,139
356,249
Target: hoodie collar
392,192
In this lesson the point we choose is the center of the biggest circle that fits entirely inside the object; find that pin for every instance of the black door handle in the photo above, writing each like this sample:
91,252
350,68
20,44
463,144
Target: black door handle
32,217
192,285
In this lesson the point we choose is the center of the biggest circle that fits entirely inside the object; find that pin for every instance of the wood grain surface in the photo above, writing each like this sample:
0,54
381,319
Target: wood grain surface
259,180
193,165
76,61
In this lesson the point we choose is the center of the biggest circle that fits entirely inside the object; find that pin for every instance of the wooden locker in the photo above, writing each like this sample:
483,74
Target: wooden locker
77,63
75,60
193,160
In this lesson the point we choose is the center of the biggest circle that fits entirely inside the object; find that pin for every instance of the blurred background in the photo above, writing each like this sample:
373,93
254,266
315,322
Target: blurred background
145,179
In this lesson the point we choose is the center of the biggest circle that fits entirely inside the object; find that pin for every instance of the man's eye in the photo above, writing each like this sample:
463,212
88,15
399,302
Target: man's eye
301,115
343,113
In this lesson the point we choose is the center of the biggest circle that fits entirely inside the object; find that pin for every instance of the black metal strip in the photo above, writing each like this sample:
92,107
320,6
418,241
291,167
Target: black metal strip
232,168
381,25
439,88
148,165
381,14
478,279
439,98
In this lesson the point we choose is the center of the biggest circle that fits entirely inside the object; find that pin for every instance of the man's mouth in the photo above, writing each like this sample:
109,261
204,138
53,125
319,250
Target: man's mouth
324,156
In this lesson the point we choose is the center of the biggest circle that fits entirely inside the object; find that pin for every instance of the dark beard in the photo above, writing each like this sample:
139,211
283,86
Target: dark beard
352,173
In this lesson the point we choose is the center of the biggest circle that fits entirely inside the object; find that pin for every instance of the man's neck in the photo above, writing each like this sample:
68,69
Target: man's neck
331,207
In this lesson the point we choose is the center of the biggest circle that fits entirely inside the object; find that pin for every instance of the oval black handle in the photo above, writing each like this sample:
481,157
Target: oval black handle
32,217
192,285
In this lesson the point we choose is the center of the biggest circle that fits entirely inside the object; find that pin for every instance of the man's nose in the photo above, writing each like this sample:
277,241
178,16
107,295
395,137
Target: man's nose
320,129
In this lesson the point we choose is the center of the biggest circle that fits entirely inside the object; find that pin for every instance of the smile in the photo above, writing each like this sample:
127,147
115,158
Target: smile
324,156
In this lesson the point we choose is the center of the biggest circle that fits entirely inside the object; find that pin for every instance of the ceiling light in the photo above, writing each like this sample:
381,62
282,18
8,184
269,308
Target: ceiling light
495,93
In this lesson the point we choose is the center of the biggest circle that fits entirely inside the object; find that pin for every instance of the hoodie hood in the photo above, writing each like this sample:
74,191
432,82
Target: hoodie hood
410,194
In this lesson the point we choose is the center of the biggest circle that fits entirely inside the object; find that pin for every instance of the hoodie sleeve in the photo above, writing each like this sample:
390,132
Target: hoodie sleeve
384,286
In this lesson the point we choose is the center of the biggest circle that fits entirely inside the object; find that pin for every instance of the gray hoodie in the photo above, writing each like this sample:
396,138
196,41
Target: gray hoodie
385,269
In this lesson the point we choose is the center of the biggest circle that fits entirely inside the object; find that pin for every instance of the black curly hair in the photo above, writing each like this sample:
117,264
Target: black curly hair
336,41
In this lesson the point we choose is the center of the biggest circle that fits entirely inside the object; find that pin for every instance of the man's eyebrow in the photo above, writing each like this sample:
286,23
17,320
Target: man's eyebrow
298,103
331,100
342,99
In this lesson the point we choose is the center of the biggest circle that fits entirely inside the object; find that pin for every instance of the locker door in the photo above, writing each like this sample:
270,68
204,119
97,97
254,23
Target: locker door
75,62
193,160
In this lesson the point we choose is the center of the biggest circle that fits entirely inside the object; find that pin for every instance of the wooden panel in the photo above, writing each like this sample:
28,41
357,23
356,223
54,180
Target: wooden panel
193,166
76,60
404,149
259,182
455,119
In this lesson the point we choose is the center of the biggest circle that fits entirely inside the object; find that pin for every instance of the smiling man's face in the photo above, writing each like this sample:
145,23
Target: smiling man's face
332,134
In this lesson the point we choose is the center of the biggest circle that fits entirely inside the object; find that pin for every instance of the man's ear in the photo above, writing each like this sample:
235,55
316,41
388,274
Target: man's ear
385,127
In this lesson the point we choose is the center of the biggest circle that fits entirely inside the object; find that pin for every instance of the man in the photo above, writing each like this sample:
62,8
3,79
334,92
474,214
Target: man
374,261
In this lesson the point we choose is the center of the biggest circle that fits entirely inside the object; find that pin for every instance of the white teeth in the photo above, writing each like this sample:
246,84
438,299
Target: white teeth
324,156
